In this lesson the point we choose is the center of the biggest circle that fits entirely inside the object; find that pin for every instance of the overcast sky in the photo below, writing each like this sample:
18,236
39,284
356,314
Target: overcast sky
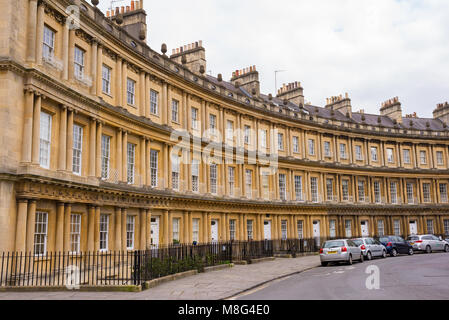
372,49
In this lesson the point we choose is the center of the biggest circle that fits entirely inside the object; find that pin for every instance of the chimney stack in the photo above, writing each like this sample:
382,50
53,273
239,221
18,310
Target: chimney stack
292,92
134,19
442,112
392,108
340,103
195,56
248,79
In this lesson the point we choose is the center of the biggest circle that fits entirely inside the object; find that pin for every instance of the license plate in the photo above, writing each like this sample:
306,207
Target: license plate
332,252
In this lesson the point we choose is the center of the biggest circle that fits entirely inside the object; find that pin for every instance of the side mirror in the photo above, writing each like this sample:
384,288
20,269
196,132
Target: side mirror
441,238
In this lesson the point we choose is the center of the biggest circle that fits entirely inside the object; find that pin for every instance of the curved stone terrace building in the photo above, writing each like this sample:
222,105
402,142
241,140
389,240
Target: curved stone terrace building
91,118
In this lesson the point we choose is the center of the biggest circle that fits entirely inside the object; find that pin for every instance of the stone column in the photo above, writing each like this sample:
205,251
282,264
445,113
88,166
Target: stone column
30,227
21,224
186,227
143,229
27,143
65,52
98,149
40,32
148,159
125,157
63,139
36,129
168,114
59,245
205,228
118,229
118,155
185,112
118,82
148,234
147,95
124,84
92,147
97,229
94,61
91,230
67,217
31,33
69,166
164,107
166,227
71,54
99,79
143,161
124,219
142,95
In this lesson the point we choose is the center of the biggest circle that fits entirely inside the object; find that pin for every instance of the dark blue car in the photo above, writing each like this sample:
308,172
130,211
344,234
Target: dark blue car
396,245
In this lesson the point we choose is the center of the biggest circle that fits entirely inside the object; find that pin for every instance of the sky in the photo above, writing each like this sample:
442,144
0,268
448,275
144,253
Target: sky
373,49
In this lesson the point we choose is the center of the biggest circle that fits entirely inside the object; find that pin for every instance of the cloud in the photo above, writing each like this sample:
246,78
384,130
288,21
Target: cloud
374,50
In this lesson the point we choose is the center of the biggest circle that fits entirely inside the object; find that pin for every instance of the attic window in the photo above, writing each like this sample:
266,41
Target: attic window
213,87
230,94
133,44
83,7
176,69
247,101
195,79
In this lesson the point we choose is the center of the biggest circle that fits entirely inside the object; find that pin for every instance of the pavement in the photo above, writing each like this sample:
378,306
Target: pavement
417,277
215,285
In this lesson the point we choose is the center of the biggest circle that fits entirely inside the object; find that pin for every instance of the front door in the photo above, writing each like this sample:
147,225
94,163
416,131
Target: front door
413,228
155,232
267,230
365,228
214,230
317,233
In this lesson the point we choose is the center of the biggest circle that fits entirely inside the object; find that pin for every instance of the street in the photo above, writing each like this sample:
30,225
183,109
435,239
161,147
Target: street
420,276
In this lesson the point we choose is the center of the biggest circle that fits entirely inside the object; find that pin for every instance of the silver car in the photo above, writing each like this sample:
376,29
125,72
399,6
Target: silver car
371,248
340,251
428,243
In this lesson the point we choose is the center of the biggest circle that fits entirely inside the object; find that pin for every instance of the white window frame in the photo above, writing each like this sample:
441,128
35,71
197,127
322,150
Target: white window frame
212,123
282,187
332,229
104,232
440,158
284,229
154,168
213,178
280,141
343,153
79,61
175,172
374,154
77,156
377,192
249,183
247,134
154,102
406,155
295,144
390,155
40,233
426,192
105,156
231,180
394,192
314,189
45,140
106,79
232,230
430,227
229,130
48,44
195,175
300,229
299,188
348,228
443,192
130,232
196,230
130,91
175,111
311,144
423,157
409,190
250,230
75,233
194,118
175,230
380,228
358,153
330,189
361,190
131,154
327,149
345,189
397,227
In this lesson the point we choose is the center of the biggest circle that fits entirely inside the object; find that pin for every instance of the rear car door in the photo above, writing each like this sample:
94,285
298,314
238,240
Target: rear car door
402,245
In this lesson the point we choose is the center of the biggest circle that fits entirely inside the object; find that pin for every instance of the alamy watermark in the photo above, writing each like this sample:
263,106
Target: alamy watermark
373,280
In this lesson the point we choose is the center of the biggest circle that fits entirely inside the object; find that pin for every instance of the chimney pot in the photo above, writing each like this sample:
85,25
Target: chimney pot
133,4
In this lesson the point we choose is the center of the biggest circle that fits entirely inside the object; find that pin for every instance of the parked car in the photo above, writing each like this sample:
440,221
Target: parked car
371,248
396,245
340,251
428,243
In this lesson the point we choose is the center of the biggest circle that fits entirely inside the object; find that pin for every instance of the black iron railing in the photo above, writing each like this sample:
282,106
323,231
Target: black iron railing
135,267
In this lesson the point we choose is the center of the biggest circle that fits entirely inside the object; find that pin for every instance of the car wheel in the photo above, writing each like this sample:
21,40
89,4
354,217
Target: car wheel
324,264
428,249
446,248
410,252
369,256
362,258
384,254
394,253
350,260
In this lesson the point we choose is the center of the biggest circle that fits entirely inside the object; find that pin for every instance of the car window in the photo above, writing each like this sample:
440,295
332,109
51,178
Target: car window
427,238
357,242
435,238
384,239
334,244
413,238
399,239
